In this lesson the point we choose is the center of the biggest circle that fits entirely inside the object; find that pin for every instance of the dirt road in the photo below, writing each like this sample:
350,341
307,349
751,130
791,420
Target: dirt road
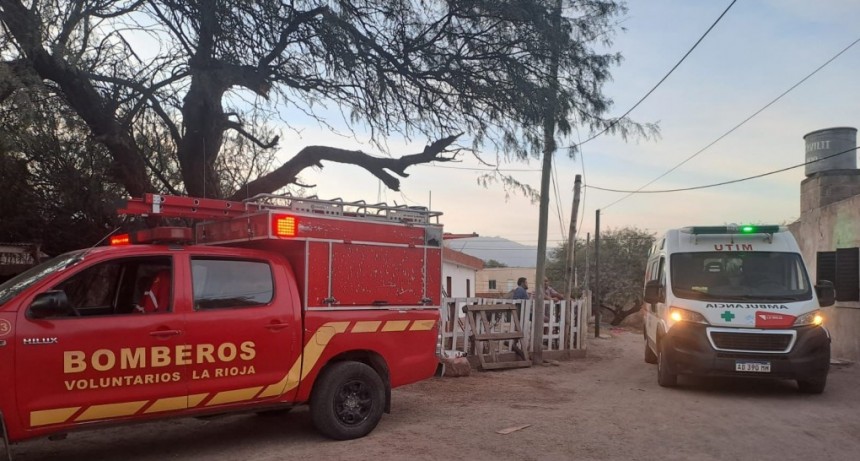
607,406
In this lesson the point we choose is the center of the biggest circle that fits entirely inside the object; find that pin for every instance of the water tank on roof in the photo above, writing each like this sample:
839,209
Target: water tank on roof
825,144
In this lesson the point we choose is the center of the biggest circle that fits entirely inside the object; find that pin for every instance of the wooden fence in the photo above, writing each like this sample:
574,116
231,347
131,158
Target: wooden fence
563,336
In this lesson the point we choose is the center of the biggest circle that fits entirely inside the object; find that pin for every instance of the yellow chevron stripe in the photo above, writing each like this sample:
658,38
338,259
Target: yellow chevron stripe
422,325
238,395
111,410
365,327
194,400
168,404
310,355
396,325
55,416
301,368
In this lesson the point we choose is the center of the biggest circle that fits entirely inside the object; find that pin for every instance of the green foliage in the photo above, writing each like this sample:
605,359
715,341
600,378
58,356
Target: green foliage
623,256
53,174
182,92
491,263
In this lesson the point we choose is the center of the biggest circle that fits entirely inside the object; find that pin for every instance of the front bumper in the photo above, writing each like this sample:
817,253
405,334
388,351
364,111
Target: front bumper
690,352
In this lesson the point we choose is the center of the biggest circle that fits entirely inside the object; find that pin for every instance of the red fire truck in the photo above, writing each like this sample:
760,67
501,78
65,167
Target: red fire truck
265,304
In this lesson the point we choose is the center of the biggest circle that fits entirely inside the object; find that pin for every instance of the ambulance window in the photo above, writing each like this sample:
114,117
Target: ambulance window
227,283
662,272
122,286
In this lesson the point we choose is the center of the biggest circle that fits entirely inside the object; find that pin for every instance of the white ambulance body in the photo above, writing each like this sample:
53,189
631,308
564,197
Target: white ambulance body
735,301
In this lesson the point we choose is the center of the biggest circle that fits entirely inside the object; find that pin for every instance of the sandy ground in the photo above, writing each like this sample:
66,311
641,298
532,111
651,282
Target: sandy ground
607,406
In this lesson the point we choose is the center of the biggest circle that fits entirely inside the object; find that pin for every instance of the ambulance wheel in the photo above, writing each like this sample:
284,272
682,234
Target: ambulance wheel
664,377
813,385
650,356
348,400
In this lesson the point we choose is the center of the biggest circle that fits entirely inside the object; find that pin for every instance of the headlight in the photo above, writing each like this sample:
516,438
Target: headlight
683,315
809,318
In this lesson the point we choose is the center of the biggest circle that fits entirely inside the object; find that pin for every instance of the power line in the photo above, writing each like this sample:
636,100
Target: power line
808,76
617,120
478,169
665,191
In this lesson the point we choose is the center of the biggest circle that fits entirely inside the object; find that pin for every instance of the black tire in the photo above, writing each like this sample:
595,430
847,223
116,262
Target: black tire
812,385
347,401
664,377
650,356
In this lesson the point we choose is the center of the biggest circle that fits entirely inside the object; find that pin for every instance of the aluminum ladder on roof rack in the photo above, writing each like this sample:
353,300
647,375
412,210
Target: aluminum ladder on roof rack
338,207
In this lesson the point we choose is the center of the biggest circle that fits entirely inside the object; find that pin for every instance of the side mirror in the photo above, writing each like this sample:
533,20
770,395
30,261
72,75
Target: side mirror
826,293
53,303
653,292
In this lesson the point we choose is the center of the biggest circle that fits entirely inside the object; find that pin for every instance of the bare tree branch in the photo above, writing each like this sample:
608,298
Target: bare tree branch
379,167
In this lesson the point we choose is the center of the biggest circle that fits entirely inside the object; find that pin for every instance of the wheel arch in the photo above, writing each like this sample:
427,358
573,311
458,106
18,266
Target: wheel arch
370,358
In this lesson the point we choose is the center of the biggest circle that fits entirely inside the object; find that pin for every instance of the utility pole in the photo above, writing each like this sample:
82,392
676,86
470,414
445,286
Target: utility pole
596,296
571,253
548,151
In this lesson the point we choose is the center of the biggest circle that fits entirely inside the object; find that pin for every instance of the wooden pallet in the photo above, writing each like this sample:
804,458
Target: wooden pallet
485,342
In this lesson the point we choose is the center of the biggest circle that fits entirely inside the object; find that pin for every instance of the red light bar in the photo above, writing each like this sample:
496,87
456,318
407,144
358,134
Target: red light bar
284,226
120,239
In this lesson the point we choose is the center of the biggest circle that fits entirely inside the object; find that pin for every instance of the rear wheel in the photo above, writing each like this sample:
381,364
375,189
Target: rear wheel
347,401
664,377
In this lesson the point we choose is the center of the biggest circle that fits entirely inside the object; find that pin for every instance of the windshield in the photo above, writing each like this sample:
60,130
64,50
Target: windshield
10,288
740,276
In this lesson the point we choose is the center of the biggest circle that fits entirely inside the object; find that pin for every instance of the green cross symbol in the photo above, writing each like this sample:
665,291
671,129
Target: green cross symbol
727,316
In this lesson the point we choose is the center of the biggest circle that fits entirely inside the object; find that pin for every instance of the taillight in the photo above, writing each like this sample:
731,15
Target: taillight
284,226
120,239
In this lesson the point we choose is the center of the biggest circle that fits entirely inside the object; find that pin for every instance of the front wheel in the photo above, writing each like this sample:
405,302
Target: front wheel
347,401
664,377
650,356
812,385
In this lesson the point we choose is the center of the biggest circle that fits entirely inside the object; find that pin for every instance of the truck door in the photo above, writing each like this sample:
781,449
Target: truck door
243,327
104,358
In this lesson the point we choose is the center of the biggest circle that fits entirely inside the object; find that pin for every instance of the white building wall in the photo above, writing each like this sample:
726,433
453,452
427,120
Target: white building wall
459,275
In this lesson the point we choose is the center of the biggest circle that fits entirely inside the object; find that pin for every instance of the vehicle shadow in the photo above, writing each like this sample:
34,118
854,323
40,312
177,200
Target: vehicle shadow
753,387
184,438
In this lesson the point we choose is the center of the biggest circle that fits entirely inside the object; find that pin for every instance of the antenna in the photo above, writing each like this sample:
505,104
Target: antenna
88,250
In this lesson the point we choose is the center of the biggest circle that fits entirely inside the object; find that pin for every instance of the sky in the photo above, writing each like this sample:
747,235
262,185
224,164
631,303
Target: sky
760,49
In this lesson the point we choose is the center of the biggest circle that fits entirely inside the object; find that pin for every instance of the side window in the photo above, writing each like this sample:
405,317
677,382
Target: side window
123,286
230,283
661,271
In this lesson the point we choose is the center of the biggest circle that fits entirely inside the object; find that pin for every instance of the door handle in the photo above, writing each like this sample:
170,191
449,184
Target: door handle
277,326
165,333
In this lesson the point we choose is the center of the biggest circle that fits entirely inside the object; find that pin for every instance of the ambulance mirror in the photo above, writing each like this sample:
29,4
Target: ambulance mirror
53,303
653,292
826,293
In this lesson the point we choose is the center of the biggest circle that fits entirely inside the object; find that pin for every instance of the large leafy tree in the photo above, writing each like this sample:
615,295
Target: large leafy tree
623,256
186,96
56,200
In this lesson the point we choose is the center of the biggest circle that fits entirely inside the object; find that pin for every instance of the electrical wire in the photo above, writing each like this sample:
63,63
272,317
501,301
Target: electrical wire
807,77
666,191
617,120
477,169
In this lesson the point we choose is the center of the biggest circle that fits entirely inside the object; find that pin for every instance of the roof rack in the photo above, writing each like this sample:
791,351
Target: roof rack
204,208
338,207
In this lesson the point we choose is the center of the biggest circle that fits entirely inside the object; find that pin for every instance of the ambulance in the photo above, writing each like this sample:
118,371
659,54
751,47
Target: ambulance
262,305
735,301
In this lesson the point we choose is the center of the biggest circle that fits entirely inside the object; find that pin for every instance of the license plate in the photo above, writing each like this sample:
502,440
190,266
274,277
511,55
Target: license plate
753,367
